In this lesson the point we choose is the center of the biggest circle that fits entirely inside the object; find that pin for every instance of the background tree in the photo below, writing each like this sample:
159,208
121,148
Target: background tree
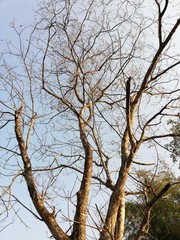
174,145
164,219
81,97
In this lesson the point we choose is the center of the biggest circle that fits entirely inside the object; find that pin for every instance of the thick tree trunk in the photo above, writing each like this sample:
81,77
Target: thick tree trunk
46,216
119,230
79,228
115,219
114,224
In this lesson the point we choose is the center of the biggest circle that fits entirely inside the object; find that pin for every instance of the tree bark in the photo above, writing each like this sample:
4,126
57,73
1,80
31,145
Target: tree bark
119,230
114,223
79,228
46,216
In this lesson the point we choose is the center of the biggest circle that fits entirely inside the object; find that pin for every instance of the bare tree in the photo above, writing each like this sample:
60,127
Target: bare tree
94,83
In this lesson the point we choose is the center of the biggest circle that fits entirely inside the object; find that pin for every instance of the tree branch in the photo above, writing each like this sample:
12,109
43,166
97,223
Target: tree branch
46,216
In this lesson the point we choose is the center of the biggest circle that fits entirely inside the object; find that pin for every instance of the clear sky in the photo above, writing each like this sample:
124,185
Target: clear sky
22,12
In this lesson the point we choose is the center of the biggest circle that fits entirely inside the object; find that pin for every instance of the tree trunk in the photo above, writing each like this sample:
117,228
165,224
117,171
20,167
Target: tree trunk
119,230
47,217
79,228
114,224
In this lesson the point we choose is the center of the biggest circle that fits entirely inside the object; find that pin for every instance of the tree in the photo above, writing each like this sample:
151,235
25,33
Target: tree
174,145
81,96
164,219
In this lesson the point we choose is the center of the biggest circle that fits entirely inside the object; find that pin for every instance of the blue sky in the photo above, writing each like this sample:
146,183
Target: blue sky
22,12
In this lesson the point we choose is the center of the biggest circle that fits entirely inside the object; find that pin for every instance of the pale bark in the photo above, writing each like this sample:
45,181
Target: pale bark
47,217
119,230
79,228
116,208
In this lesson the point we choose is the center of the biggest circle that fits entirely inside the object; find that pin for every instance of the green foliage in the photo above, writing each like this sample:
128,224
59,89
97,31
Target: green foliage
174,145
165,220
165,217
133,219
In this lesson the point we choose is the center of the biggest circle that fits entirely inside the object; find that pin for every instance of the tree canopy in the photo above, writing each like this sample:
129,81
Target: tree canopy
86,96
164,220
174,145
